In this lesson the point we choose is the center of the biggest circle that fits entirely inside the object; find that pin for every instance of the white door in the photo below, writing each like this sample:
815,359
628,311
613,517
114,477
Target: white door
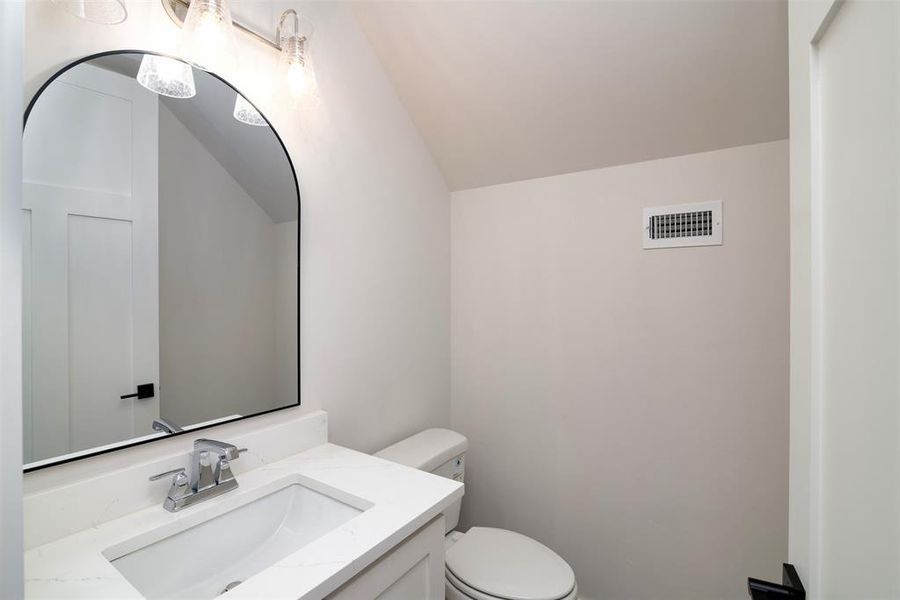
855,303
91,306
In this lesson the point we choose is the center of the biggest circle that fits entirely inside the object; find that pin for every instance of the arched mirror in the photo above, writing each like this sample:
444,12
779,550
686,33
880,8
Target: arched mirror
160,217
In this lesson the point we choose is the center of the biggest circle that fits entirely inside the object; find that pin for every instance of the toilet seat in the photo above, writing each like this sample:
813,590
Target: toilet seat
457,590
496,564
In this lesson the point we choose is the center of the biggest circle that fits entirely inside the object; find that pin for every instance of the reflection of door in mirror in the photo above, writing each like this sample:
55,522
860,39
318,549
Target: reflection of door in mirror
91,303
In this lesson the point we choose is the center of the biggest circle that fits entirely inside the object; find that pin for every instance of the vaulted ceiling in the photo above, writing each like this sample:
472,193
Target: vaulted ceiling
511,90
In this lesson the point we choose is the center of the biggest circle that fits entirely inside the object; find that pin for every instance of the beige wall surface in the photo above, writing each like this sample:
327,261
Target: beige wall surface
629,407
210,366
374,239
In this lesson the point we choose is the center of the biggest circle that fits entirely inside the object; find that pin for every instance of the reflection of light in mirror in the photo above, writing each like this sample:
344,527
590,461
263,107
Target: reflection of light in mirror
208,35
104,12
166,76
295,70
245,113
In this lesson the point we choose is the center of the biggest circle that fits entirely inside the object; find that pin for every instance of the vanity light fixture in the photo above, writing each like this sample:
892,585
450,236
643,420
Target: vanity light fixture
103,12
294,65
245,113
208,41
166,76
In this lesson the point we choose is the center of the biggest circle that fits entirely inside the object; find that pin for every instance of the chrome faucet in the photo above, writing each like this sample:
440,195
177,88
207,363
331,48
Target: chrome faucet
165,426
204,481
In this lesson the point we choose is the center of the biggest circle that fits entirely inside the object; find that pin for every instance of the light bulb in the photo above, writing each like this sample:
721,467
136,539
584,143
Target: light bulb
245,113
208,41
166,76
103,12
295,70
293,64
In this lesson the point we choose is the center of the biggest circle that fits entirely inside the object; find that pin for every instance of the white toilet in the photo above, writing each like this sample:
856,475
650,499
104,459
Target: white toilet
484,563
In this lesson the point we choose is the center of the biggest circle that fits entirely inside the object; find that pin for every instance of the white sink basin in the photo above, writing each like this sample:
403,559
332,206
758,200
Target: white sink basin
225,547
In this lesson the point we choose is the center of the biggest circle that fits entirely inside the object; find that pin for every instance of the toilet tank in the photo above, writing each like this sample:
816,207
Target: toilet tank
438,451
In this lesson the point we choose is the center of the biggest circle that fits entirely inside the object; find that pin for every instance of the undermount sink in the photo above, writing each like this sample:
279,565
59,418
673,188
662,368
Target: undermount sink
226,548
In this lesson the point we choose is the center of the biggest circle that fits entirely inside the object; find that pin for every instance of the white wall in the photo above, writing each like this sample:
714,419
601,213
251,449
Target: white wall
627,407
374,220
217,286
375,247
11,45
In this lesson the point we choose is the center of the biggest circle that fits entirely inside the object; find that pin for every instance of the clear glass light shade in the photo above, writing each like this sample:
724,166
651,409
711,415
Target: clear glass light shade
294,68
295,73
245,113
104,12
167,76
208,41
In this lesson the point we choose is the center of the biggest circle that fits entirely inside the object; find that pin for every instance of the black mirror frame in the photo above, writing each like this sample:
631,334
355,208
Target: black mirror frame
126,445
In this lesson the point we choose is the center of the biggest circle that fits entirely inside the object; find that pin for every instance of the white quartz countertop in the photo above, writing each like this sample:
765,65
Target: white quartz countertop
400,500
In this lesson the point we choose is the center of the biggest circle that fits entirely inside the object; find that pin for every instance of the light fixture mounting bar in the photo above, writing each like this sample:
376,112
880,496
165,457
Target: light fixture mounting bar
177,9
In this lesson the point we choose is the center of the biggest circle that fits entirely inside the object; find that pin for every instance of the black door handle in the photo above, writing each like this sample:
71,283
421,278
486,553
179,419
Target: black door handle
790,588
144,390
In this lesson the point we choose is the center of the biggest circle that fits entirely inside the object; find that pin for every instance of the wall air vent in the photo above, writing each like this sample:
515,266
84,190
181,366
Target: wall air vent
679,225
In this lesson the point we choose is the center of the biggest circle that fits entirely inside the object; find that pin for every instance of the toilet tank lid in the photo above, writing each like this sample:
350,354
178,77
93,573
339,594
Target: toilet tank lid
427,450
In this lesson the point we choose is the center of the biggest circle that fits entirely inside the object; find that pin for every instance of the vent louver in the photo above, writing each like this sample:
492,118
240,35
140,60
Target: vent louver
698,224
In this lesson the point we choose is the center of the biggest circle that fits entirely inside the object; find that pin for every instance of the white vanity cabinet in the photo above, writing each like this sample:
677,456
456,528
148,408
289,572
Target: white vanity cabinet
412,570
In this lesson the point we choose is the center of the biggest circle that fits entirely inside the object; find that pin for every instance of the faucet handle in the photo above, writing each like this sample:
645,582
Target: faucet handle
159,476
223,471
179,488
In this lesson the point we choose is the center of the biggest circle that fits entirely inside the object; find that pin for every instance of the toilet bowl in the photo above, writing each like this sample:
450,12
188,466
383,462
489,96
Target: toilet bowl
483,563
490,564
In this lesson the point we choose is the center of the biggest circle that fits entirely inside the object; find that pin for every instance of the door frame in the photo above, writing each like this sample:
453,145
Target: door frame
12,27
817,289
805,22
